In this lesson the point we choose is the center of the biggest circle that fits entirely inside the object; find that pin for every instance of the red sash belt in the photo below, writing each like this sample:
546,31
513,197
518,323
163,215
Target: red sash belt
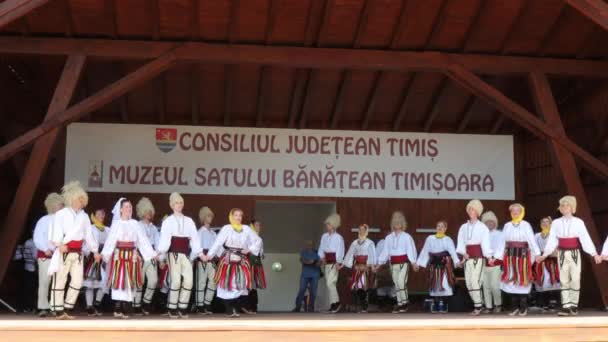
41,255
399,259
125,245
496,263
474,251
517,244
569,243
361,259
330,258
179,244
74,246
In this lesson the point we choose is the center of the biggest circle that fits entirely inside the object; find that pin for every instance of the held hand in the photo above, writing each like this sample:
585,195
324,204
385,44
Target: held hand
598,259
465,256
48,252
415,267
97,257
540,259
245,251
156,257
491,261
63,249
203,257
339,266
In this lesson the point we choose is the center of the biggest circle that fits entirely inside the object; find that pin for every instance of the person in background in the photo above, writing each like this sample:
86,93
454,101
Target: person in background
439,255
331,252
205,271
27,253
546,273
385,290
53,203
309,278
145,212
258,277
95,275
492,294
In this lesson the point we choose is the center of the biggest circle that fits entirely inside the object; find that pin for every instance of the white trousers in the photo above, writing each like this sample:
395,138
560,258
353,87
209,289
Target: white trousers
331,280
150,271
569,263
180,269
205,283
72,265
473,272
399,272
492,295
44,283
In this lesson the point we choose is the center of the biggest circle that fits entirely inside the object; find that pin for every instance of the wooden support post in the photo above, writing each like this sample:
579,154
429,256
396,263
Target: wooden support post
36,165
521,116
11,10
93,102
564,161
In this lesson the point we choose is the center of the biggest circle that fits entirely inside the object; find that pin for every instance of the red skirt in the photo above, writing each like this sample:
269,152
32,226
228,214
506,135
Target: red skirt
550,264
517,264
362,277
125,269
440,265
233,275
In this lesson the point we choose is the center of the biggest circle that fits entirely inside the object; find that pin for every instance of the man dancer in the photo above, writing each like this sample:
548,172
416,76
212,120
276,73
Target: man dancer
205,271
331,252
145,212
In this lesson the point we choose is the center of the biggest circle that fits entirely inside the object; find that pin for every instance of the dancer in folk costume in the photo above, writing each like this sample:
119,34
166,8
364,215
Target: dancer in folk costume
546,273
399,250
257,272
361,257
439,255
178,238
53,203
383,283
517,253
205,270
233,273
70,228
568,235
95,273
124,250
145,212
474,245
492,274
331,252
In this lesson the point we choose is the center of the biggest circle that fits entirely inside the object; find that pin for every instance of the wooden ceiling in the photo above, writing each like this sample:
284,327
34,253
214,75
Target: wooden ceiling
276,96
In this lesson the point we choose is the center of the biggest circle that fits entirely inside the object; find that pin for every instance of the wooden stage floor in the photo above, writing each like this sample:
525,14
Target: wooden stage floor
311,328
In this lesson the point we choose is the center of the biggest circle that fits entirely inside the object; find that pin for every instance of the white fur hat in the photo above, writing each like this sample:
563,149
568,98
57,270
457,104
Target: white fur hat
489,216
204,212
174,197
52,200
476,205
333,220
144,206
72,191
568,200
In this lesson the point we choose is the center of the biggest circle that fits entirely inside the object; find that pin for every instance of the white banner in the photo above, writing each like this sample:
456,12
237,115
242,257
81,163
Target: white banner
288,162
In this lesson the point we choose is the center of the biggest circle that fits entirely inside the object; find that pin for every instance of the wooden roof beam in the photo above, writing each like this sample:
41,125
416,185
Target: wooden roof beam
104,96
370,106
433,109
522,116
596,10
11,10
271,18
39,158
305,57
467,113
407,94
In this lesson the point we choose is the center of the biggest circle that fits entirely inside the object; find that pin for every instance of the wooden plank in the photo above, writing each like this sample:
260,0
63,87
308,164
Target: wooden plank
11,10
36,165
564,160
596,10
433,110
522,116
404,102
194,94
467,114
370,106
305,57
297,96
93,102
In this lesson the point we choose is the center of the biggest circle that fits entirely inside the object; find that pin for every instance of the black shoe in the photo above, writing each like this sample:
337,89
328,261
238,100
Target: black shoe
573,311
91,311
43,313
145,309
296,309
336,308
564,312
173,314
207,310
310,309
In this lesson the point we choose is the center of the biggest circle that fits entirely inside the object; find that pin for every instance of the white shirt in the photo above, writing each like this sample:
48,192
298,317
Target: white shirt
379,248
521,233
178,226
398,244
496,240
99,236
150,231
332,243
27,252
474,234
41,233
569,228
69,225
434,245
230,238
127,231
206,238
360,248
541,241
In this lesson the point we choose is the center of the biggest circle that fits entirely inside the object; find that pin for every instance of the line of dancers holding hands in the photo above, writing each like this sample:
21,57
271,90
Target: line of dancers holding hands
131,259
